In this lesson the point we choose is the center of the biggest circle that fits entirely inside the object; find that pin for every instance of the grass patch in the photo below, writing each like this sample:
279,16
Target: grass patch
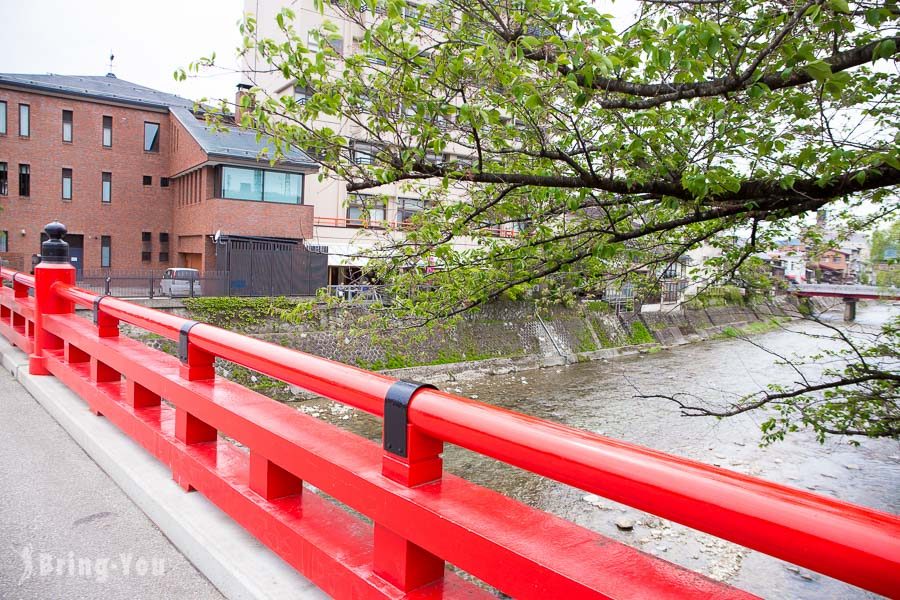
639,335
754,328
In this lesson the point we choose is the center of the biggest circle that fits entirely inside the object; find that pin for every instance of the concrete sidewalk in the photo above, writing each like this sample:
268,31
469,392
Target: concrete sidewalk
66,529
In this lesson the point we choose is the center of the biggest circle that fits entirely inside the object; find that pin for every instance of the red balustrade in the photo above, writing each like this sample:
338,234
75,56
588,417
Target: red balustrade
17,309
250,455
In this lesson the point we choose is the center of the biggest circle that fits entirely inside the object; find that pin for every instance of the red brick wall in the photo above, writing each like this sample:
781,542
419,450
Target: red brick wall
134,208
186,152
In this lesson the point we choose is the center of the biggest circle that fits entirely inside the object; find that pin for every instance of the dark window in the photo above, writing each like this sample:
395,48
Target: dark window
2,117
24,120
4,241
67,184
106,195
148,180
107,132
407,207
4,179
105,251
163,247
163,182
24,180
67,125
146,246
151,137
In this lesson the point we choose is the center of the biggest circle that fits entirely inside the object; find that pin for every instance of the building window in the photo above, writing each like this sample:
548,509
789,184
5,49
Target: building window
107,188
312,42
67,184
363,154
107,132
146,246
151,137
365,210
105,251
407,207
67,125
163,182
24,120
24,180
283,188
301,95
148,180
2,118
163,247
4,179
4,241
267,186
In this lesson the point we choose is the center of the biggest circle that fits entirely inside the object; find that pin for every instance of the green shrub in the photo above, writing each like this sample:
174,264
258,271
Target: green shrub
237,312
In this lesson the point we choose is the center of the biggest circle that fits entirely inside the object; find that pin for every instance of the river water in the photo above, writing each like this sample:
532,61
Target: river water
601,397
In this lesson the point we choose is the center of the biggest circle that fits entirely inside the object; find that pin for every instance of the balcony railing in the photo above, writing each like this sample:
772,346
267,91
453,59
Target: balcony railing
394,225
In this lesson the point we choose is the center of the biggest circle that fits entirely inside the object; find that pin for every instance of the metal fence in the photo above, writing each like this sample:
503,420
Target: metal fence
150,284
362,293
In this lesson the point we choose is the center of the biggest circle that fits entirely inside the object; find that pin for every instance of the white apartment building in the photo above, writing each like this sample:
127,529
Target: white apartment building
337,221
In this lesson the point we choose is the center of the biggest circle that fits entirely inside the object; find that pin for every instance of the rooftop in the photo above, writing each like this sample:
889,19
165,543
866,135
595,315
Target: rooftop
233,142
101,87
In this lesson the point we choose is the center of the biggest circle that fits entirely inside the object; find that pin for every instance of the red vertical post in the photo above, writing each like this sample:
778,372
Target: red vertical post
107,326
54,266
137,396
413,462
271,481
20,290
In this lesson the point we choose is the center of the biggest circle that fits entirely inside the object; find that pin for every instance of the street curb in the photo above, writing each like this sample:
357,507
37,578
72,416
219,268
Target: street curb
237,564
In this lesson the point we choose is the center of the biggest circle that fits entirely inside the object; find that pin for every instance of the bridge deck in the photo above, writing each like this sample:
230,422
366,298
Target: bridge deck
58,504
859,292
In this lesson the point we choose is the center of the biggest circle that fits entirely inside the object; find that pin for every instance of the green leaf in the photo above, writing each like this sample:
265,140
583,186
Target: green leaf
885,49
819,70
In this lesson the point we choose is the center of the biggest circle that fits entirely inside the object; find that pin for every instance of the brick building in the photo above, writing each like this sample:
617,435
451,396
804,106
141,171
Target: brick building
137,176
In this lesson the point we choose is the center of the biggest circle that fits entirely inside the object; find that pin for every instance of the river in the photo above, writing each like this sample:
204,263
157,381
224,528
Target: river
601,397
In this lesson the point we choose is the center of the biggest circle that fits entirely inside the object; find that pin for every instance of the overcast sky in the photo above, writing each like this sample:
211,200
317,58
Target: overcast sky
150,39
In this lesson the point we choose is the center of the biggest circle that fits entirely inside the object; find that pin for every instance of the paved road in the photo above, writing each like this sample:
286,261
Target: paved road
66,529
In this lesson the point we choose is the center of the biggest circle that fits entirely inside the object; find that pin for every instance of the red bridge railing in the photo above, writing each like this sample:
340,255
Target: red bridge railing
250,456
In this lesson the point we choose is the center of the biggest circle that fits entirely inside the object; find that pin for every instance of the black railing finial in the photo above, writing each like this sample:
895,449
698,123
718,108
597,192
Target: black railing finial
55,249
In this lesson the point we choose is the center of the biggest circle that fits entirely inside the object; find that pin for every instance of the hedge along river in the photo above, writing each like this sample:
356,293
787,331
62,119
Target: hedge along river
601,397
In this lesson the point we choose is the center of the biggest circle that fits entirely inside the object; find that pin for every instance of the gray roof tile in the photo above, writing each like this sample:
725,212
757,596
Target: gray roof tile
236,143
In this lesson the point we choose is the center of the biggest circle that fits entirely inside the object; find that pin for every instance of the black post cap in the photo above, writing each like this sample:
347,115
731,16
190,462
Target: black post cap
55,249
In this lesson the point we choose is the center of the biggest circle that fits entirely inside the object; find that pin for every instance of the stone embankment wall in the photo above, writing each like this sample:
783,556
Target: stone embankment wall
514,331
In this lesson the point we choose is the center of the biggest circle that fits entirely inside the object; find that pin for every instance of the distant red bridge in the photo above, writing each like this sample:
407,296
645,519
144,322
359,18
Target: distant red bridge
850,293
859,292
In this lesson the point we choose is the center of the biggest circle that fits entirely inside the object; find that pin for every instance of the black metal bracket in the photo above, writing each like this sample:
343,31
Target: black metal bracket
97,309
396,418
183,340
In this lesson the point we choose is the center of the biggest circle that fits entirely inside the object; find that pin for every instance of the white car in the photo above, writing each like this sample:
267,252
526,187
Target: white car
177,282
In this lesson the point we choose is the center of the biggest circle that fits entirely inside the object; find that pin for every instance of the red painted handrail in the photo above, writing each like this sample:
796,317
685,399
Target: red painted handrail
10,275
852,543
